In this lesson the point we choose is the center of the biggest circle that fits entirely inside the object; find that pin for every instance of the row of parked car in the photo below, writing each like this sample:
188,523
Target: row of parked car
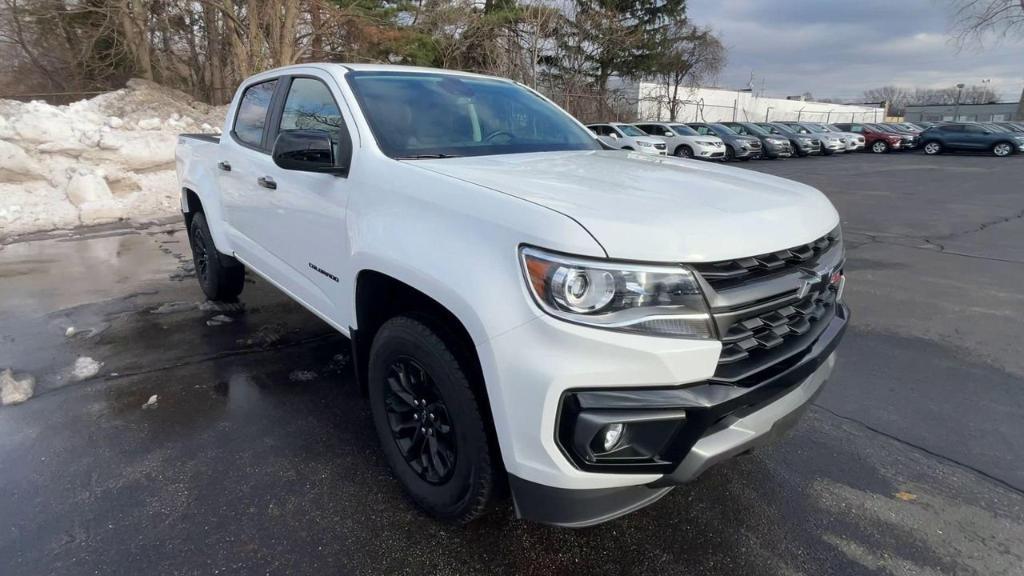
749,140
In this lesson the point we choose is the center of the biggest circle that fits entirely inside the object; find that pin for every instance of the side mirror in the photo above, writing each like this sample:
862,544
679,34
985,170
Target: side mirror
309,151
613,135
669,134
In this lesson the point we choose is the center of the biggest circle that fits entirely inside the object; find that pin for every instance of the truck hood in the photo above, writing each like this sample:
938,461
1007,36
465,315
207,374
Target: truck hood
643,207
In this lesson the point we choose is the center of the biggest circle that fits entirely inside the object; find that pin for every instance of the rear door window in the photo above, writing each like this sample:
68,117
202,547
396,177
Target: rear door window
251,118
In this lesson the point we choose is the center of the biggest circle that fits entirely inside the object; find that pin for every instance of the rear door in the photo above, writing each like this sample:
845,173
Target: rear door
241,152
954,137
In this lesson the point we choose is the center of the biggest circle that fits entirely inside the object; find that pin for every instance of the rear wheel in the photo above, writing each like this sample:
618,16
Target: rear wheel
429,423
684,151
932,148
220,276
1002,149
880,147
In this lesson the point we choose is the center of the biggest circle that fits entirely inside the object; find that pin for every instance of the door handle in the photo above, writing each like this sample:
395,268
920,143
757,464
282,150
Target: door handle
224,165
267,182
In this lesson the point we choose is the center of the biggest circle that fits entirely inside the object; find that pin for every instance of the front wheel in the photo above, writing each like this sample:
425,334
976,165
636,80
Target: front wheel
684,151
932,148
880,147
730,154
429,423
220,276
1002,149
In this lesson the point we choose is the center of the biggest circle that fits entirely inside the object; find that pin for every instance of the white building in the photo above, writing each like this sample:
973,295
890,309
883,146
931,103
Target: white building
652,100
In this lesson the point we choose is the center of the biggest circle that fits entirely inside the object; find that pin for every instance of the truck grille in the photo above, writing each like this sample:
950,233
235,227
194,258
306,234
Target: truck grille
768,330
730,272
769,309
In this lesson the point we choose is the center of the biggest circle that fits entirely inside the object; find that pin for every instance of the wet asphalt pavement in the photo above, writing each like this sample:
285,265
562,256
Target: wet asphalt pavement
259,455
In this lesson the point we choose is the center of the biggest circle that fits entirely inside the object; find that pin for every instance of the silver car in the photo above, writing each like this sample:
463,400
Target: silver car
831,143
628,137
854,141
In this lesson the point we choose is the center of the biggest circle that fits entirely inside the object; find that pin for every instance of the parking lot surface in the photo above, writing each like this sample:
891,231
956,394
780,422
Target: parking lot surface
258,454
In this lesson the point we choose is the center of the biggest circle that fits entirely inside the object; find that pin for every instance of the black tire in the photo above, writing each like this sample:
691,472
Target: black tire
458,492
1003,149
220,276
684,151
932,148
879,146
730,154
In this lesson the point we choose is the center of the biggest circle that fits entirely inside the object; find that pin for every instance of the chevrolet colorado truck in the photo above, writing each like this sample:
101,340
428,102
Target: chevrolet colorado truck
529,312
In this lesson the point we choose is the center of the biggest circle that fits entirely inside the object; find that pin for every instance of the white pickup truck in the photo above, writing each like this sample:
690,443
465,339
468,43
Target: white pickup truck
528,311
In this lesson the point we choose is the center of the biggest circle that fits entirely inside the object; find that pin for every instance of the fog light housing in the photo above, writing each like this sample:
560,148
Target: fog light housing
598,432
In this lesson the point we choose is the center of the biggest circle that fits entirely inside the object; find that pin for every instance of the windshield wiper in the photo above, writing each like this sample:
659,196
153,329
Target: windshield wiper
427,156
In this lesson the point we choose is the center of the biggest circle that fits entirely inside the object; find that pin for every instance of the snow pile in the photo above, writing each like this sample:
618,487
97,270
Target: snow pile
14,390
94,161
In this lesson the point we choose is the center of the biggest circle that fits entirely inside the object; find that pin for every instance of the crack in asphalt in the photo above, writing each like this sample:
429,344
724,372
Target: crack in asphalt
1004,483
938,247
1018,216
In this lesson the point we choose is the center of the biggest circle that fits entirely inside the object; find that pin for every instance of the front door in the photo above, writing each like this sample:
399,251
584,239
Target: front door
304,227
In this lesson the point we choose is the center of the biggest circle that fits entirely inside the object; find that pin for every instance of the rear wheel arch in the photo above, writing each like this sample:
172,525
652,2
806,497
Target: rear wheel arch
191,205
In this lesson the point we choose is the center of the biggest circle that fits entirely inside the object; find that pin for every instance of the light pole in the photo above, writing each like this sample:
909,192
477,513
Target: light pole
956,110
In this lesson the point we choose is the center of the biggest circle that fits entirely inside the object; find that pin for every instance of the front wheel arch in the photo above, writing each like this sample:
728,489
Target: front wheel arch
1009,146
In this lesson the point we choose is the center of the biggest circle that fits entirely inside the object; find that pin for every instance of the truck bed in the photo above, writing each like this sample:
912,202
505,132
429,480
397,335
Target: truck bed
212,138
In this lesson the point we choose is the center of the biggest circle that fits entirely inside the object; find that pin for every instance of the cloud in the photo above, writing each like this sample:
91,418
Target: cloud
839,49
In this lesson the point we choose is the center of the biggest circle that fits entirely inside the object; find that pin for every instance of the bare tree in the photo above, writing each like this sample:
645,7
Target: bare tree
972,21
694,56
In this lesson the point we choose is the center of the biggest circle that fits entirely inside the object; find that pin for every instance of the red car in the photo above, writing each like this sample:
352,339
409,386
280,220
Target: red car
875,140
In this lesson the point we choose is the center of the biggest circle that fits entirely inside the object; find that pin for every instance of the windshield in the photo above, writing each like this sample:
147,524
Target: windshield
683,129
755,129
423,115
630,130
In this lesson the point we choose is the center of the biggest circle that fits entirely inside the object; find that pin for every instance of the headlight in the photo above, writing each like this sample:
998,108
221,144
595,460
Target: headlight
706,142
805,141
658,300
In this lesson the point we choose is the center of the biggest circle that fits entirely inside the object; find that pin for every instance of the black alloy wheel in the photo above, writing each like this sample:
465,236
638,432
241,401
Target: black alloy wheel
200,255
419,421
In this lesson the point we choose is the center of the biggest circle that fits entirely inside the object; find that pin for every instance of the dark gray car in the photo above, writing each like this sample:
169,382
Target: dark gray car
737,147
803,144
772,145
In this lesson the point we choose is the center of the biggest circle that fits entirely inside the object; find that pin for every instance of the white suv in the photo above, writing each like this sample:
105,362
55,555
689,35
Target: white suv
685,142
526,309
628,137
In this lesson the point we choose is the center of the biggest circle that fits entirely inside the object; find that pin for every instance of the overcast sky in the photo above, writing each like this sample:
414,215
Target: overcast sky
837,49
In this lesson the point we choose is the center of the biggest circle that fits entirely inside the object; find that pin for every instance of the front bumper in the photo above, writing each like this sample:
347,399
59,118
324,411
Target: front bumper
708,152
722,420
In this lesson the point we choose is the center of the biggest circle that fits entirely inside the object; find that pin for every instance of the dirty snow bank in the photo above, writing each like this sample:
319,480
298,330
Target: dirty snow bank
94,161
14,390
